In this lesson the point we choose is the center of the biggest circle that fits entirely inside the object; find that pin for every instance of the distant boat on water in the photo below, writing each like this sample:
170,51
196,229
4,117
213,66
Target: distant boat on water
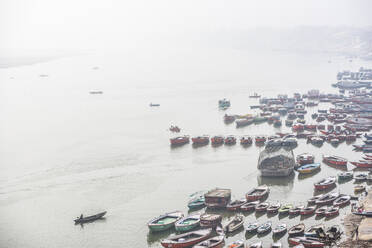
95,92
154,105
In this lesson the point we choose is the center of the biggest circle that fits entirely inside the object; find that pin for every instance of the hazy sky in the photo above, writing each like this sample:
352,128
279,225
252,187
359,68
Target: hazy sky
78,24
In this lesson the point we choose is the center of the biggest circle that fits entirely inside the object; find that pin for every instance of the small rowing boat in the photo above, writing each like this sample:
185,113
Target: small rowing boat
308,210
334,160
252,227
257,193
262,207
186,239
215,242
280,229
235,205
234,224
264,228
81,219
297,230
249,206
325,183
187,223
165,221
308,168
273,208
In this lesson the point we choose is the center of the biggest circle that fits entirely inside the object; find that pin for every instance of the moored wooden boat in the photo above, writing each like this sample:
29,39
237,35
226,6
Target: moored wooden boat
279,229
217,140
256,245
264,228
273,208
297,230
325,183
284,209
307,242
230,140
313,199
186,239
262,207
342,200
320,211
359,188
305,158
296,210
215,242
252,227
257,193
308,210
235,205
362,164
234,224
249,206
200,140
81,219
327,198
187,223
308,168
181,140
196,201
332,211
165,221
260,139
334,160
342,176
277,244
236,244
361,177
210,220
246,140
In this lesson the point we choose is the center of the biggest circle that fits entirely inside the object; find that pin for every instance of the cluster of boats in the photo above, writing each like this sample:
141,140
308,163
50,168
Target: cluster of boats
207,230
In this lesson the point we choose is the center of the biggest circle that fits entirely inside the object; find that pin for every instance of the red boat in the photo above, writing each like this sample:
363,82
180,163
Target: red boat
313,199
200,140
298,127
362,164
249,206
262,207
257,193
306,241
334,160
217,140
308,210
325,183
245,140
181,140
260,139
332,211
235,205
186,239
305,158
273,208
230,140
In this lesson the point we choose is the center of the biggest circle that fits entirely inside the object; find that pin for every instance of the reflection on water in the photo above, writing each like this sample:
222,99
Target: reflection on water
277,181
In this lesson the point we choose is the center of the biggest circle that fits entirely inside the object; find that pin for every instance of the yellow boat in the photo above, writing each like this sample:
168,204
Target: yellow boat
359,188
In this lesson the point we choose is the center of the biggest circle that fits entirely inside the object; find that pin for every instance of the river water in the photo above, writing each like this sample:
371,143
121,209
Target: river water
64,152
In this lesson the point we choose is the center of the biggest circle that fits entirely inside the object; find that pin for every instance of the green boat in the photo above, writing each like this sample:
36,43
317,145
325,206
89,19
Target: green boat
165,221
188,223
284,209
345,175
196,201
259,119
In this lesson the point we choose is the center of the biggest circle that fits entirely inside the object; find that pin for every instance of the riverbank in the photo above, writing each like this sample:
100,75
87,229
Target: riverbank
351,222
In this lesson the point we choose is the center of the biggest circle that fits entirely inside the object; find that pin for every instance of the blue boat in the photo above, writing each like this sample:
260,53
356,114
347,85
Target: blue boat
308,168
368,136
